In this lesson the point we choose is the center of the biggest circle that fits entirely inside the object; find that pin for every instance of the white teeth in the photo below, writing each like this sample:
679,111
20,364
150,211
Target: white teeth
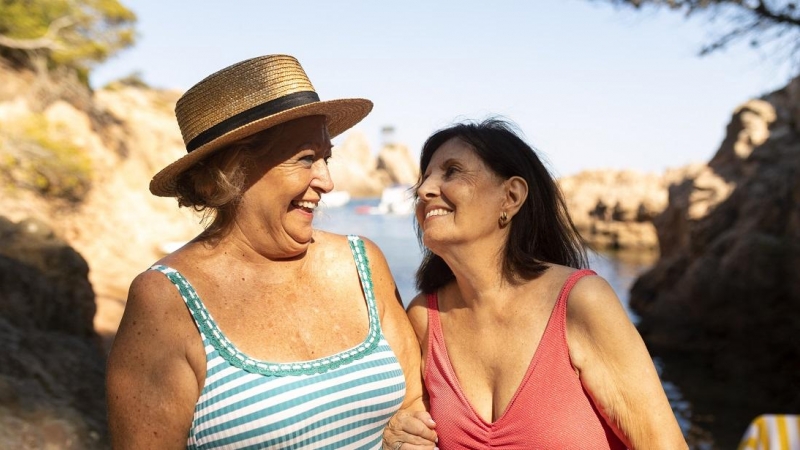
304,204
437,212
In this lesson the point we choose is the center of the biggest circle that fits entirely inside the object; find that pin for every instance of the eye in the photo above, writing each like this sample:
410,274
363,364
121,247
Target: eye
450,171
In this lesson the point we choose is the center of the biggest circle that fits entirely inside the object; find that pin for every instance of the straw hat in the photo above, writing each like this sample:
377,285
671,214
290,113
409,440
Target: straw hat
246,98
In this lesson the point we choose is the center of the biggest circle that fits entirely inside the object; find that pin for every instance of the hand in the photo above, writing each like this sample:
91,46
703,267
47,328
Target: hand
410,430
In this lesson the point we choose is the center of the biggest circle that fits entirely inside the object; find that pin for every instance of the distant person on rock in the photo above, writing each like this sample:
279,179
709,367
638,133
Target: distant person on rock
262,332
522,347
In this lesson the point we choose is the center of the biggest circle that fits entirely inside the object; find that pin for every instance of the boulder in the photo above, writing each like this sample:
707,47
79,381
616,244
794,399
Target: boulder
52,366
400,167
352,167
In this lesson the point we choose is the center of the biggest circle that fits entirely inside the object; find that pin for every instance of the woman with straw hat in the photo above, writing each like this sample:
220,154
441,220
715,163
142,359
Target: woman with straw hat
261,332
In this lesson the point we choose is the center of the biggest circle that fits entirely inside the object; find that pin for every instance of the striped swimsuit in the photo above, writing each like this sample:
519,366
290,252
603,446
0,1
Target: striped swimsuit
340,401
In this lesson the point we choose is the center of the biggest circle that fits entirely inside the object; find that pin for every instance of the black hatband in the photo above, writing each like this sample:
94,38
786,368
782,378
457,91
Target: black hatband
257,112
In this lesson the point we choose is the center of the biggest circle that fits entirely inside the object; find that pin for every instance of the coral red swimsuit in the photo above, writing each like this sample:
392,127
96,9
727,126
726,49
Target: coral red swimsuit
550,409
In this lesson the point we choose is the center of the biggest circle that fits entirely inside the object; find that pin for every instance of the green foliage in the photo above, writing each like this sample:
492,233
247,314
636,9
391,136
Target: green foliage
32,157
74,33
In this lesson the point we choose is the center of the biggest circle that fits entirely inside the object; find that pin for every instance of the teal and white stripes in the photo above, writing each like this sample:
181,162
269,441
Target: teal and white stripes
336,409
341,401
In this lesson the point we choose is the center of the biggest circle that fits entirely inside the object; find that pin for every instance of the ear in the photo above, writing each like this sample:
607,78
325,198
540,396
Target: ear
516,193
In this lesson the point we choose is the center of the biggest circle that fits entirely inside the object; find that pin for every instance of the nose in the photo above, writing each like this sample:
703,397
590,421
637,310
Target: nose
321,176
428,189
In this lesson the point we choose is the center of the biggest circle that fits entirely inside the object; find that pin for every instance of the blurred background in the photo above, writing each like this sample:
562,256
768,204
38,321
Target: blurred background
673,128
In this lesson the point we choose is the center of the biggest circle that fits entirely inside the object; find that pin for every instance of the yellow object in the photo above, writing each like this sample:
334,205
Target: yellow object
772,432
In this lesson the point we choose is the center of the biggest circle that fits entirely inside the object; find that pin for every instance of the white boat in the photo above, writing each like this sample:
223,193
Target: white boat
397,199
335,199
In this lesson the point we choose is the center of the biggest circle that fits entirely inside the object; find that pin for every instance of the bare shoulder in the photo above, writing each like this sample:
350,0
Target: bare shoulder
152,294
615,368
329,244
151,385
152,300
379,267
373,249
598,328
593,302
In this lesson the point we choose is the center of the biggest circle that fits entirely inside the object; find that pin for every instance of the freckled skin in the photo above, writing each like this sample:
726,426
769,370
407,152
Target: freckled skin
272,275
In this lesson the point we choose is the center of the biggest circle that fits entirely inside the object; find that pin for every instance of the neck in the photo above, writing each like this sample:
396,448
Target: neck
239,248
260,246
478,270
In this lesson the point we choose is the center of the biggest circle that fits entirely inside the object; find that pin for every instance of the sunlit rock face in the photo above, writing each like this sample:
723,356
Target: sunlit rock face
725,293
398,164
355,169
613,209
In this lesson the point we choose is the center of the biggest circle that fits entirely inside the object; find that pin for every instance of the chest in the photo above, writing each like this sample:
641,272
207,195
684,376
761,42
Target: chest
291,320
345,406
490,359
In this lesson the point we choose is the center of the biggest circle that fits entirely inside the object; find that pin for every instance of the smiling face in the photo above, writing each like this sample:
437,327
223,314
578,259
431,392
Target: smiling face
285,182
459,199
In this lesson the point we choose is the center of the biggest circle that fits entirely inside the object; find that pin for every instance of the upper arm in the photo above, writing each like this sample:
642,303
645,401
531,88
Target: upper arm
616,369
395,325
418,316
151,388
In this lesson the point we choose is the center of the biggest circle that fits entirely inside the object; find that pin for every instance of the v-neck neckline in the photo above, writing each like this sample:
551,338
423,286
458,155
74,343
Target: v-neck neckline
528,372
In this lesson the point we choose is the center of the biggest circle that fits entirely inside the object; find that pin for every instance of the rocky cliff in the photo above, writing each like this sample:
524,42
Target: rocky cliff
52,364
722,304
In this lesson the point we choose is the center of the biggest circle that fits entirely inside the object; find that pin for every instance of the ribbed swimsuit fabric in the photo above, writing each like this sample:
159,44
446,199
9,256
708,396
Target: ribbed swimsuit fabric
340,401
550,409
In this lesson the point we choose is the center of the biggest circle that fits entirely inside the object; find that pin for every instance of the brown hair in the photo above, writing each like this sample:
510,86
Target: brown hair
214,185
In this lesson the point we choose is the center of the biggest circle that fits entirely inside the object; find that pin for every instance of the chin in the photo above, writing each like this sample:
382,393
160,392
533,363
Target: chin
432,242
304,238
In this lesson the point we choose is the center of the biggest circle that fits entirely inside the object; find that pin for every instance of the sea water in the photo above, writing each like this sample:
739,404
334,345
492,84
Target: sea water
396,237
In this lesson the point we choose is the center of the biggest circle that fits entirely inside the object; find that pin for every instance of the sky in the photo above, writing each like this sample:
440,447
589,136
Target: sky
589,85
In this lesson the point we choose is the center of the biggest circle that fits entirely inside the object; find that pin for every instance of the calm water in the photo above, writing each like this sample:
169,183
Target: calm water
395,236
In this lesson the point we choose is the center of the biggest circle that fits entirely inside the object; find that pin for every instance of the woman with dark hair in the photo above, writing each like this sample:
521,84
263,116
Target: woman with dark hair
522,346
261,332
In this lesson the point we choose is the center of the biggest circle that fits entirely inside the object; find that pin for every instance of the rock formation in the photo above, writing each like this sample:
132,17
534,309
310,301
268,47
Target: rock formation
396,162
723,301
52,364
614,209
354,168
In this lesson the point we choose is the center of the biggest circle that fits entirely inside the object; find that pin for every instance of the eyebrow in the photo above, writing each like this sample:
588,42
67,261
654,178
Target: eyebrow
326,146
448,161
